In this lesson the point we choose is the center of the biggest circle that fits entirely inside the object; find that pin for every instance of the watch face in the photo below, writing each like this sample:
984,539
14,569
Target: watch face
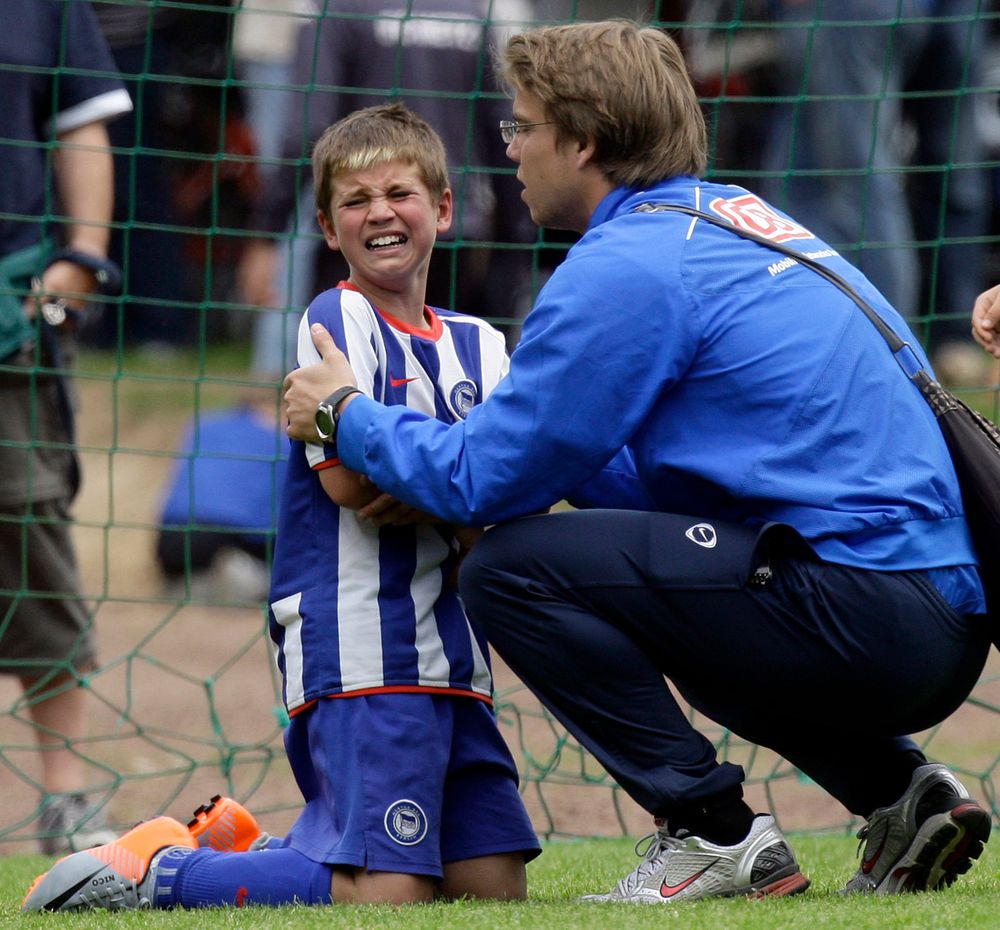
324,422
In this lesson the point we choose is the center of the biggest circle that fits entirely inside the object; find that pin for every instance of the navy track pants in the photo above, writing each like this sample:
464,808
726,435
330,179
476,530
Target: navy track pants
829,666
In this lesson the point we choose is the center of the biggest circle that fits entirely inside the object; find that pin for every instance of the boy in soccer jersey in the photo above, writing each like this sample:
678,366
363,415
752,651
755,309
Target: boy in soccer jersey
410,790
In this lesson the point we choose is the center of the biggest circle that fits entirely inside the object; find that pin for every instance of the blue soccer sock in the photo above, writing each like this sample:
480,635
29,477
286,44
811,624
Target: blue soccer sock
207,878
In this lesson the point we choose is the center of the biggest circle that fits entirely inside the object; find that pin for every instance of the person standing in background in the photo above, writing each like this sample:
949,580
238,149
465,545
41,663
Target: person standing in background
57,95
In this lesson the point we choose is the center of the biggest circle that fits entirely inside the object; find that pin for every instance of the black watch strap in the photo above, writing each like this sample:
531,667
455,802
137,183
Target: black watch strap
341,394
107,272
331,404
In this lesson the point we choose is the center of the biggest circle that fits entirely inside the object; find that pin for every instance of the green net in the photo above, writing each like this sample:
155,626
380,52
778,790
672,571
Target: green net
184,702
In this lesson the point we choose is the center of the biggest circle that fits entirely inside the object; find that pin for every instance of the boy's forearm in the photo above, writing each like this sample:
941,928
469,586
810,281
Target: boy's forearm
347,488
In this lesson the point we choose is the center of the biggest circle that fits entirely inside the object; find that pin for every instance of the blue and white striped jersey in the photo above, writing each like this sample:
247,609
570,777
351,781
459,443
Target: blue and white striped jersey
359,610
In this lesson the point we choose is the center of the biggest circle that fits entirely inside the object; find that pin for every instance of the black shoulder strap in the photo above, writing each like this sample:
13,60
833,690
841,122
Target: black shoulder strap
912,366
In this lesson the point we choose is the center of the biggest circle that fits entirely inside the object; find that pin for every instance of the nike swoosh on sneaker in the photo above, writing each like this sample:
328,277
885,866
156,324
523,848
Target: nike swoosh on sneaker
58,901
869,864
668,891
399,382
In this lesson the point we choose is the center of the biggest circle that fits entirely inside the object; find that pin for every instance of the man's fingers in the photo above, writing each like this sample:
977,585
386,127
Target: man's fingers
322,339
394,515
374,507
386,510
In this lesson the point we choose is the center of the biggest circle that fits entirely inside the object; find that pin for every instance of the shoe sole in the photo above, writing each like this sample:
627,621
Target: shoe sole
946,846
782,887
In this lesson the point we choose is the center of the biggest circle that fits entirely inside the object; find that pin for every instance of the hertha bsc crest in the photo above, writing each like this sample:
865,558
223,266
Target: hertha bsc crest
463,398
405,822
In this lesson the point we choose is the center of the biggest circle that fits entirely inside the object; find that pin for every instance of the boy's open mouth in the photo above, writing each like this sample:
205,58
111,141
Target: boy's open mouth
385,242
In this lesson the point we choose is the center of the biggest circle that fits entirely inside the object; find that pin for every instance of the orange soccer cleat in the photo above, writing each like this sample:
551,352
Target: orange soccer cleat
225,825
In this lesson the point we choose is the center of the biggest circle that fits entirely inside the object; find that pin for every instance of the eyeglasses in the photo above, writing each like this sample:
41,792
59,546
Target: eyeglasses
509,128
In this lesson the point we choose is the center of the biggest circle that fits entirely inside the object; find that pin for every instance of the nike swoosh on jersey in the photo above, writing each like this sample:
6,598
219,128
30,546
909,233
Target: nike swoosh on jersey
399,382
668,891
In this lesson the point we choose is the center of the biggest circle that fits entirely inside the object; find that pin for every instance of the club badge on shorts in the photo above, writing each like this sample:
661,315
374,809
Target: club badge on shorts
405,822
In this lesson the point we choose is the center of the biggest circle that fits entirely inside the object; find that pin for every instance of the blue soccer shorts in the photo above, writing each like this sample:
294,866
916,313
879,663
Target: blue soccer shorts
405,783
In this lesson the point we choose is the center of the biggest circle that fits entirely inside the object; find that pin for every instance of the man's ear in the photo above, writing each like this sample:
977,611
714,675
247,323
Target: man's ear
329,233
585,153
444,211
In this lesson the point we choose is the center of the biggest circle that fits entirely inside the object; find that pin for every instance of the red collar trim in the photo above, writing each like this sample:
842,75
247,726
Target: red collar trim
433,334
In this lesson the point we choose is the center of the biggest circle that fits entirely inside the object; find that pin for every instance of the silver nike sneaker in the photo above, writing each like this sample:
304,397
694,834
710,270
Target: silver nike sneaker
924,841
687,868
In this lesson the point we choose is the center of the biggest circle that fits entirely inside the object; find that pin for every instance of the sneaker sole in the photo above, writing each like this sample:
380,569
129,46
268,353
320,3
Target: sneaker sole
946,846
782,887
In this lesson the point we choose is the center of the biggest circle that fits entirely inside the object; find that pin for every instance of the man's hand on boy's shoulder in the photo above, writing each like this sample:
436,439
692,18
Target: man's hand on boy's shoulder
306,387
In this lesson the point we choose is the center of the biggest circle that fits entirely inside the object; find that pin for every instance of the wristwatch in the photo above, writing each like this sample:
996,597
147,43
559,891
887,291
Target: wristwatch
327,416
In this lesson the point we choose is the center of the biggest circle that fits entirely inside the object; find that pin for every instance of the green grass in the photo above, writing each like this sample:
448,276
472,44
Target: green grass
566,870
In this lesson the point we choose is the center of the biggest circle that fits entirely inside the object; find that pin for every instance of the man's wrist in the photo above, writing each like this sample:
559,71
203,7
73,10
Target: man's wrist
105,271
329,410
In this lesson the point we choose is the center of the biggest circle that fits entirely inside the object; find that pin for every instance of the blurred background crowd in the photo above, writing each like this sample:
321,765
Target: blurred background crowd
880,134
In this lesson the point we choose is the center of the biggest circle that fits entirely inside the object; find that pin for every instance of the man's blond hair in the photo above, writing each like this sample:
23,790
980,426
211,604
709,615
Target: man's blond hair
623,87
373,136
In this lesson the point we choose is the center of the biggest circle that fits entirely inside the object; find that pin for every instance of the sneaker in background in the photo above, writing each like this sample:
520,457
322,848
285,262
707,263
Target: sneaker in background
69,823
924,841
686,868
117,875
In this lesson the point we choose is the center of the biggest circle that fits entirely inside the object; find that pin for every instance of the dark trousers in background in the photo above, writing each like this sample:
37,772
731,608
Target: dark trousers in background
828,666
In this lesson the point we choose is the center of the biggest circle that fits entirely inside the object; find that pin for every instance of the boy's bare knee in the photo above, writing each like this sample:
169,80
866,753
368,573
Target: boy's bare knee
501,877
356,886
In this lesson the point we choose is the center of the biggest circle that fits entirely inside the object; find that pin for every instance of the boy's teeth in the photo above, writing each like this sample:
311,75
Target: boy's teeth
385,240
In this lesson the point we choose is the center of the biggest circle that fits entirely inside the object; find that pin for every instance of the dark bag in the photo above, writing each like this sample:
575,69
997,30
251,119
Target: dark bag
16,273
972,440
974,444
